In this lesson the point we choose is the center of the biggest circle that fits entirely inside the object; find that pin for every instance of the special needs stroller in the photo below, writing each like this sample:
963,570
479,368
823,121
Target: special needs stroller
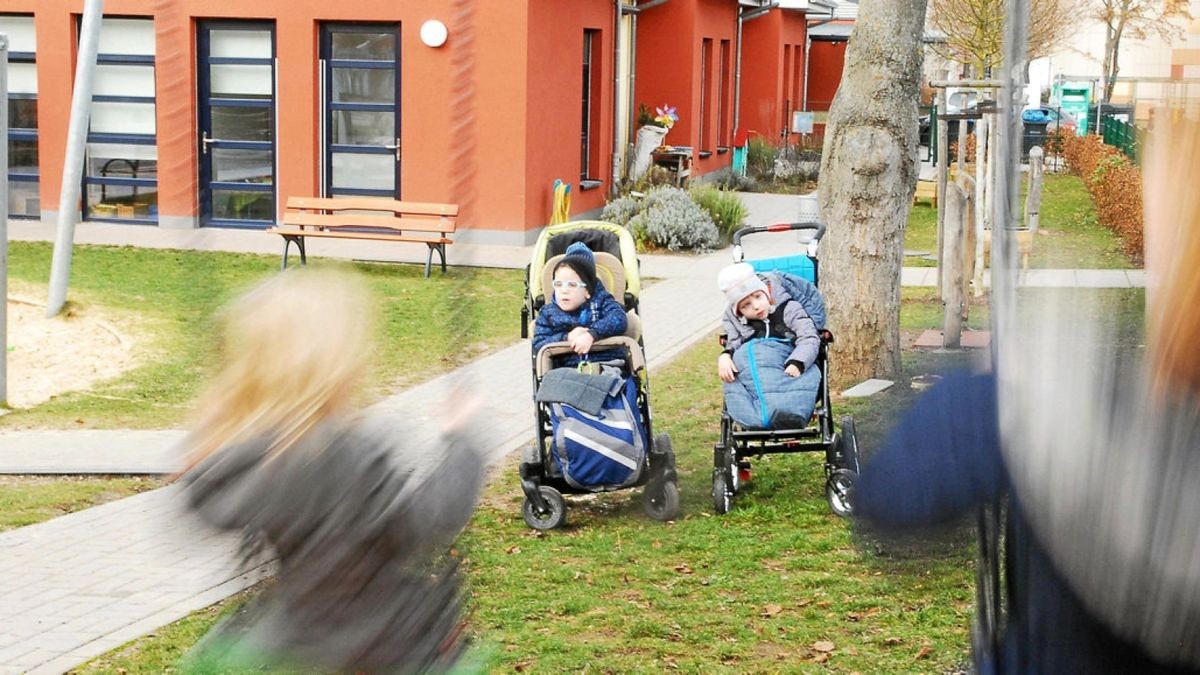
738,443
568,438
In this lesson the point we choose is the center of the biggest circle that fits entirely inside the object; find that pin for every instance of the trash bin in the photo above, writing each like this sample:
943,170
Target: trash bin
1033,133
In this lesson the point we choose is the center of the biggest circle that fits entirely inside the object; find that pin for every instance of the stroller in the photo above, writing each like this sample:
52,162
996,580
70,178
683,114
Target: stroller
546,465
730,455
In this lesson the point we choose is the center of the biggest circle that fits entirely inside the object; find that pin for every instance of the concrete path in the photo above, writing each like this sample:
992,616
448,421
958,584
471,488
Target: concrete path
77,586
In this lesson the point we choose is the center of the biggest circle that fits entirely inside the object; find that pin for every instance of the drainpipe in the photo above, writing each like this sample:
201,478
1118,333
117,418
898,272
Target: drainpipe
743,17
618,9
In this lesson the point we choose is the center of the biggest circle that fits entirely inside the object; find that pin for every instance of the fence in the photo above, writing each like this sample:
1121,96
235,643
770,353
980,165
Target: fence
1124,136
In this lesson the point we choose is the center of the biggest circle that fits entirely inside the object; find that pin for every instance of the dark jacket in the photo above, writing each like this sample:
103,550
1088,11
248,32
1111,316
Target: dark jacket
363,581
942,461
602,315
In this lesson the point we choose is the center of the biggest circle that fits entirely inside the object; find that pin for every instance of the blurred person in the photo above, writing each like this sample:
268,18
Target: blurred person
278,451
1096,449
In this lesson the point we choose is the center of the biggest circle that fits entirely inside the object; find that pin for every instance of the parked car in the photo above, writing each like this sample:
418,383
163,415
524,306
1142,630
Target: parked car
1053,117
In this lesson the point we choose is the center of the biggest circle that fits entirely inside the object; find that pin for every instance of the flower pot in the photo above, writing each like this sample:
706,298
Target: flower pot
648,139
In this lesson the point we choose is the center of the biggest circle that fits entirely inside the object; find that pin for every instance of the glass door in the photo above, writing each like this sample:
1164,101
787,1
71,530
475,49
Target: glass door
361,96
236,79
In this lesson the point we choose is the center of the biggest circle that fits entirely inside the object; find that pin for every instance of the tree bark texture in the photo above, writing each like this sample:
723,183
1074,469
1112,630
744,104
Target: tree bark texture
868,175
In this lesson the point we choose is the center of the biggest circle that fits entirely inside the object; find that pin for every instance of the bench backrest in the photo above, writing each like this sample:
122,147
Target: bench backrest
370,212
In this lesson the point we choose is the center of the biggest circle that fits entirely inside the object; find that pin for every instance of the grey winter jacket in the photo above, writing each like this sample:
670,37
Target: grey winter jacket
363,582
739,331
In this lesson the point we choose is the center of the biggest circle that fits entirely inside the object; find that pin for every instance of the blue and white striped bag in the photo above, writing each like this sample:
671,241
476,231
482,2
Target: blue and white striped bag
605,451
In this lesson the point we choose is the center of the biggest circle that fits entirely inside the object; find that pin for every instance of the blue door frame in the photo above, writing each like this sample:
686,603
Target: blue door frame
332,62
250,202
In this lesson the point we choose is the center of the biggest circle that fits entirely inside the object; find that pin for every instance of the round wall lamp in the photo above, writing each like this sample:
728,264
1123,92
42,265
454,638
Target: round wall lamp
433,33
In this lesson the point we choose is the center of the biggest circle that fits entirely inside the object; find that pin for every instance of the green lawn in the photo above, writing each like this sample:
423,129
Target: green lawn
1070,235
25,500
777,584
169,298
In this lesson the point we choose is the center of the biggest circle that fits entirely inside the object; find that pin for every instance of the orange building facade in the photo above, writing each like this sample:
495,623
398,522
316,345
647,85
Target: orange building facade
213,112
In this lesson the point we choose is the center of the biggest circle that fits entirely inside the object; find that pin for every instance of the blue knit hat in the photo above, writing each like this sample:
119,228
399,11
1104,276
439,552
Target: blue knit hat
581,259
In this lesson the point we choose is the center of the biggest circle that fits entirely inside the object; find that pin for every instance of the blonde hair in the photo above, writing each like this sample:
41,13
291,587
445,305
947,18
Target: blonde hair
1172,235
293,350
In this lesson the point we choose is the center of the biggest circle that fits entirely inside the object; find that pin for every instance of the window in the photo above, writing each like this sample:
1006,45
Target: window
725,101
23,200
589,140
706,81
120,174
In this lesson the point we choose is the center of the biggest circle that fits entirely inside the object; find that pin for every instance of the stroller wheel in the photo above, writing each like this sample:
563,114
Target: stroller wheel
849,443
721,494
661,500
839,490
555,514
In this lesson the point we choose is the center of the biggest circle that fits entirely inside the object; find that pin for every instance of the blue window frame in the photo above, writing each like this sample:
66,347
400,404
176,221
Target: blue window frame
120,176
23,156
361,93
236,81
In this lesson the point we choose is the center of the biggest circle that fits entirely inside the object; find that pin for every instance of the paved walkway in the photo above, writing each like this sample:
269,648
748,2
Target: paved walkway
77,586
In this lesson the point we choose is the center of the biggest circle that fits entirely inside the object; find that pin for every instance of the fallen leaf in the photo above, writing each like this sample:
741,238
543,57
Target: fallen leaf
520,666
820,658
771,610
824,603
823,646
804,603
893,641
683,569
512,549
853,616
925,652
657,544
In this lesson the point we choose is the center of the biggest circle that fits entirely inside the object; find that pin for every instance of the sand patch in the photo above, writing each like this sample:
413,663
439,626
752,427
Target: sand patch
70,352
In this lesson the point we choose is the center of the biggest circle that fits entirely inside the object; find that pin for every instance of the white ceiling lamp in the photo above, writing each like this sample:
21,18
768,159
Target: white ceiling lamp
433,33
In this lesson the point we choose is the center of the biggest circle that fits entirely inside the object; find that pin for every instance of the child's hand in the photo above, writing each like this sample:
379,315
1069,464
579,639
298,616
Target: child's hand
725,369
792,370
580,340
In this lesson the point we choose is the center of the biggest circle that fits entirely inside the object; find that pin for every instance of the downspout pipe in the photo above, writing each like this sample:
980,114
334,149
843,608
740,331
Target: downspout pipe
743,17
618,10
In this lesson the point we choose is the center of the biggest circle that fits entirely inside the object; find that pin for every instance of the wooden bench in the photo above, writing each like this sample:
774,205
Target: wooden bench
367,218
926,190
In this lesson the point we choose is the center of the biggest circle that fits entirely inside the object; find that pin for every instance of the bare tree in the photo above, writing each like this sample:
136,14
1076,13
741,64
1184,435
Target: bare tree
868,174
1137,19
974,29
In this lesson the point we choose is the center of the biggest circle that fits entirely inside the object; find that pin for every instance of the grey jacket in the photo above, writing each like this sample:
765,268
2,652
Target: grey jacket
364,582
799,327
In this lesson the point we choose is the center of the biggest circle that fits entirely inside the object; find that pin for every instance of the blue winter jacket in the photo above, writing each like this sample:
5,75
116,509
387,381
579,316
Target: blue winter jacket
602,315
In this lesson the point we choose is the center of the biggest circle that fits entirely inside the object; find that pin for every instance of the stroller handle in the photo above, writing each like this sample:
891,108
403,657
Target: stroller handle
775,227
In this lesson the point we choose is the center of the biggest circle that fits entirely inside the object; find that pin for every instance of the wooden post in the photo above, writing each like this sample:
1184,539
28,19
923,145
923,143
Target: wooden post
1033,200
962,145
943,140
982,147
952,262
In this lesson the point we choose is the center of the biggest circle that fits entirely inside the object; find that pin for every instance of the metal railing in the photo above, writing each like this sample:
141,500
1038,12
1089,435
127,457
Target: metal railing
1124,136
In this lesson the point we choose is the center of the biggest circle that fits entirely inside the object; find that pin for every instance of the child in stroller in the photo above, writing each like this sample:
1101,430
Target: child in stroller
760,309
775,369
582,310
593,424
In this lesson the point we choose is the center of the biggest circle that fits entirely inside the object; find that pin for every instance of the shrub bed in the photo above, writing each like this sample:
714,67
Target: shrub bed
1115,184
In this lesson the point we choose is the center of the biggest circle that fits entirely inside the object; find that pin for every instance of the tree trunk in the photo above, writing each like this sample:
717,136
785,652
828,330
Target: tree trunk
868,174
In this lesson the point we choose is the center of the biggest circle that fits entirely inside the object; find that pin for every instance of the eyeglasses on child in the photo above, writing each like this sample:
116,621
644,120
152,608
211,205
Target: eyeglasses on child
572,284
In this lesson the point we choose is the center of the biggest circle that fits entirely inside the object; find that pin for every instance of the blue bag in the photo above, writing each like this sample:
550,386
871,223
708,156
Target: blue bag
604,451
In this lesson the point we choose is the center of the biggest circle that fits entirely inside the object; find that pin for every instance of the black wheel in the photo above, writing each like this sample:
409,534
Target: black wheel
661,500
839,490
849,440
721,494
556,510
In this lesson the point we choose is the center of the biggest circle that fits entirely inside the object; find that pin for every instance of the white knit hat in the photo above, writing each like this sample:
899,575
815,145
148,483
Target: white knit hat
738,281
